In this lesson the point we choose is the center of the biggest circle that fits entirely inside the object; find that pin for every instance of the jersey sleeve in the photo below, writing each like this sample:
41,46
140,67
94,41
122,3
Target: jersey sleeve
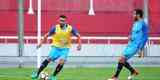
75,31
52,30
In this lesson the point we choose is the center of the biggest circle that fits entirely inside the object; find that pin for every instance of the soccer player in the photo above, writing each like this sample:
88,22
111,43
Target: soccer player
61,43
137,41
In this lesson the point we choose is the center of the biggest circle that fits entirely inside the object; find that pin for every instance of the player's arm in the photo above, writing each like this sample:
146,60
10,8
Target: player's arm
43,40
146,34
52,31
79,42
142,48
76,33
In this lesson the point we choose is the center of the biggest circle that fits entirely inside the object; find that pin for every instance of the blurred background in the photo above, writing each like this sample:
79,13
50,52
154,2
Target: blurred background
103,24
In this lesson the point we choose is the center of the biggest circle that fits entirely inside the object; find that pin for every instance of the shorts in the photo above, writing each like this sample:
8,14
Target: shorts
58,53
131,50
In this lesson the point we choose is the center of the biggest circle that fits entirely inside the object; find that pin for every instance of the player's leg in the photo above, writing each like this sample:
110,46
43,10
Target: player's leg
63,57
43,65
57,70
133,72
130,68
129,53
135,50
52,56
59,67
121,62
119,68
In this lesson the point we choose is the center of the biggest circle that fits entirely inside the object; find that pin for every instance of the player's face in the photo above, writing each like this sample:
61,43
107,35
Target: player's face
62,21
135,16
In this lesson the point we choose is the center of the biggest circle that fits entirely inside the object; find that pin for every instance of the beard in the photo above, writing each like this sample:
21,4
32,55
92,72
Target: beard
62,25
135,19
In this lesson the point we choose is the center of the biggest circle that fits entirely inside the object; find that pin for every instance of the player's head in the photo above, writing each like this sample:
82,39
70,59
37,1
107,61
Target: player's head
62,19
138,14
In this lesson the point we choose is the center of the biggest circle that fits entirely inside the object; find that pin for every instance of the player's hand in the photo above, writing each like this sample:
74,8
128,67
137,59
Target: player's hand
79,47
141,54
38,46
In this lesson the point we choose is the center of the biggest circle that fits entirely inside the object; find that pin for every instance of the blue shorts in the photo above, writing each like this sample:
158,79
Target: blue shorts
58,53
131,50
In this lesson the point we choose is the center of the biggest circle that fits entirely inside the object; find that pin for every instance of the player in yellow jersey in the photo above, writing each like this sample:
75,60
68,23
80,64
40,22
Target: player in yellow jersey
61,42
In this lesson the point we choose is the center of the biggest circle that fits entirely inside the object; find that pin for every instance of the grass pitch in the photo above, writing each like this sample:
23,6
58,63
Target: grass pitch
146,73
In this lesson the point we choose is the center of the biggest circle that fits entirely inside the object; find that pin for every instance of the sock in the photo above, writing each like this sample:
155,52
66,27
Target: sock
129,67
43,65
119,68
58,69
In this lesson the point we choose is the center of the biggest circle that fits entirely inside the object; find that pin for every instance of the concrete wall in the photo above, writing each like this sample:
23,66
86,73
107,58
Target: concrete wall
93,55
87,50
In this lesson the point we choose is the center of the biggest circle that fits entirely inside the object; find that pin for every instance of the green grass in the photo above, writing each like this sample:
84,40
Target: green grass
146,73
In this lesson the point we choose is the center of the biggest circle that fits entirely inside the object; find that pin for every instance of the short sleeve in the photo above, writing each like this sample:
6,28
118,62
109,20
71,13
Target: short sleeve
52,30
75,31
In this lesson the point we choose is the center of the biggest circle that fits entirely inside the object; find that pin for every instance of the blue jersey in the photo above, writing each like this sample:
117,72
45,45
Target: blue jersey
139,37
139,34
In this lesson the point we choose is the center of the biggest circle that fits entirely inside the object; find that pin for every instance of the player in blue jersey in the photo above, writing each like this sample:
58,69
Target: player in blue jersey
137,40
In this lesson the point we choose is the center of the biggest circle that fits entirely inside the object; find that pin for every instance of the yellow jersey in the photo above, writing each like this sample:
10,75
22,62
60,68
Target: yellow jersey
62,37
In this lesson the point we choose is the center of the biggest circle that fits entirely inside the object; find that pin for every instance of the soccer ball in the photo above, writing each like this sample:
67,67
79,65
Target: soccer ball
44,76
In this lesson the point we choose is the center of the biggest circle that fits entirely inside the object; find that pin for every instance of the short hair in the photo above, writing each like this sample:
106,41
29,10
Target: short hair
139,12
63,16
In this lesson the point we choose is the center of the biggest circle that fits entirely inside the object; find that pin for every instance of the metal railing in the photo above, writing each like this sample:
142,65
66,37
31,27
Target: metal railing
88,38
